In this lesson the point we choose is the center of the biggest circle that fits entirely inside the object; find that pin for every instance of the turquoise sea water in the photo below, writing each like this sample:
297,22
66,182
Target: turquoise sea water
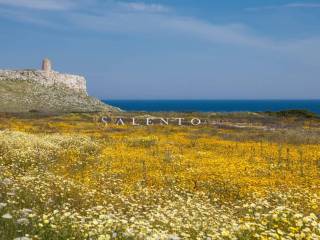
215,105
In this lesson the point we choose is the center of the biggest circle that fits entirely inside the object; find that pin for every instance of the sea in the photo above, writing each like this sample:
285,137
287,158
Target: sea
215,105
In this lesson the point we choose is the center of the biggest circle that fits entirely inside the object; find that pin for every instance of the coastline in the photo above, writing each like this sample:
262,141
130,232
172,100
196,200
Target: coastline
218,106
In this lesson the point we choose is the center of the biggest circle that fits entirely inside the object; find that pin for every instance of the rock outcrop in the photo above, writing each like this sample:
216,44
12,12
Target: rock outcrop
47,78
46,91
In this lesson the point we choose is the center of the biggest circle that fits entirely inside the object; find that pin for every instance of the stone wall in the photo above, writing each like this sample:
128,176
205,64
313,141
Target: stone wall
47,78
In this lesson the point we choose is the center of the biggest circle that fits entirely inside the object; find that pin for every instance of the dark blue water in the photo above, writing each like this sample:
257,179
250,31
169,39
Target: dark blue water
215,105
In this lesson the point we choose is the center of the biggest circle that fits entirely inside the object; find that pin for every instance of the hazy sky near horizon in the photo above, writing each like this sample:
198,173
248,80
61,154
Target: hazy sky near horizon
170,49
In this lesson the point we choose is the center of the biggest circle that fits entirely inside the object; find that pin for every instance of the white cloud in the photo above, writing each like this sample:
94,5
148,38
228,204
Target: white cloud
71,4
168,24
142,7
143,19
237,34
25,17
286,6
303,5
40,4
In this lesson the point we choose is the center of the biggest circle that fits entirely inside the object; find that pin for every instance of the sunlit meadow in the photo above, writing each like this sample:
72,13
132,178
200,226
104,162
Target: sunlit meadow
239,177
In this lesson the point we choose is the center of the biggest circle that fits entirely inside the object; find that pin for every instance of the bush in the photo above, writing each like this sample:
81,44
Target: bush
294,113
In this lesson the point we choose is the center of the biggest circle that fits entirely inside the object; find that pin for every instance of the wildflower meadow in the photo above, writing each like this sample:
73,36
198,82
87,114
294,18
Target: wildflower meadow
241,177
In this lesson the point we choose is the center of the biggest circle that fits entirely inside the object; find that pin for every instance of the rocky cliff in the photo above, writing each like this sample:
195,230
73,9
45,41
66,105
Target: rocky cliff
47,78
46,91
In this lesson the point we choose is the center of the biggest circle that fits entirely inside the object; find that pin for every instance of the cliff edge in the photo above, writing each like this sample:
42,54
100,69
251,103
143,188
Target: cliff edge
46,91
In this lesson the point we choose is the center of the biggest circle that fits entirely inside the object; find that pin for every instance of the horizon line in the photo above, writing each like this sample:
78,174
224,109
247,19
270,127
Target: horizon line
226,99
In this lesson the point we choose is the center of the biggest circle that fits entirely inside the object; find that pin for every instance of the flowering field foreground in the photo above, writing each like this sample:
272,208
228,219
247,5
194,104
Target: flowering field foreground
70,177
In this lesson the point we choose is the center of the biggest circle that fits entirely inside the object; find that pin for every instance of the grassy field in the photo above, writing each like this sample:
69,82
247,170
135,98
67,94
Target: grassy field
242,176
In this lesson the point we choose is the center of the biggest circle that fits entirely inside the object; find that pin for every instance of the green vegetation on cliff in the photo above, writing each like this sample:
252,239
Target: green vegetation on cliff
30,96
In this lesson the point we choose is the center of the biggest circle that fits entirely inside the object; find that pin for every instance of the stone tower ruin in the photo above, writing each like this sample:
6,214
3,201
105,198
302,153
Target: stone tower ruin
48,77
46,65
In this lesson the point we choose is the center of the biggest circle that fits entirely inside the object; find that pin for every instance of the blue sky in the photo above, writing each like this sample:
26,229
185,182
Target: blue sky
170,49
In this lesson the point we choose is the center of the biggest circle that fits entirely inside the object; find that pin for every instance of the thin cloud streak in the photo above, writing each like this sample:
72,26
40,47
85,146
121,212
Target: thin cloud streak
40,4
54,5
235,34
286,6
162,24
142,7
303,5
25,17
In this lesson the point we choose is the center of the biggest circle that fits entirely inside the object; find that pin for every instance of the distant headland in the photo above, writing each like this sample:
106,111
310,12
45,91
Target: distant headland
46,90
